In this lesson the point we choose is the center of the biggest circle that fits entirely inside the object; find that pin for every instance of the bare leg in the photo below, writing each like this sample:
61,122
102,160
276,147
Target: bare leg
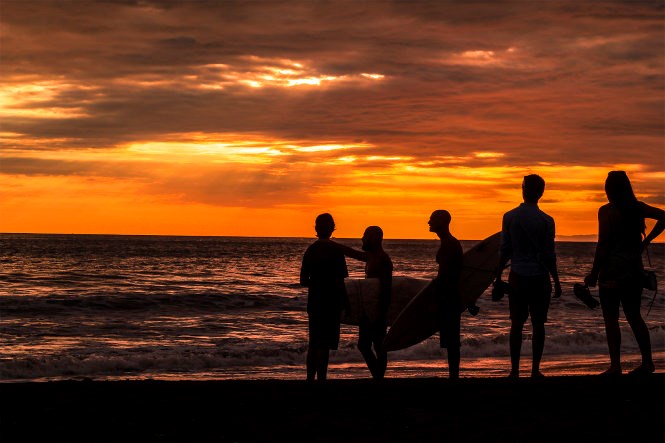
613,334
453,362
515,347
311,364
538,345
370,359
642,337
322,356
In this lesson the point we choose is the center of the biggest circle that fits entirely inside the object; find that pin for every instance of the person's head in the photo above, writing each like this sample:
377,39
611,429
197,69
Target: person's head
620,193
533,187
618,188
439,221
324,226
372,238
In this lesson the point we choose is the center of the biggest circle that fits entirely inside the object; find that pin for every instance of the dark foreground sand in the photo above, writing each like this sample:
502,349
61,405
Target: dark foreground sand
557,409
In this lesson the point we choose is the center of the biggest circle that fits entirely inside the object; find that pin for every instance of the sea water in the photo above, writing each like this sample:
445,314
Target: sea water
138,307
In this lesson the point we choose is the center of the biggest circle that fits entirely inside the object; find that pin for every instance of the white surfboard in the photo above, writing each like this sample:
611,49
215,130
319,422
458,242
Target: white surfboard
420,317
363,296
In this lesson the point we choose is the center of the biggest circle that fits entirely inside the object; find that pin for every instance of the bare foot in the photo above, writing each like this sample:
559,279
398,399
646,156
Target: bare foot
611,372
514,374
643,370
537,374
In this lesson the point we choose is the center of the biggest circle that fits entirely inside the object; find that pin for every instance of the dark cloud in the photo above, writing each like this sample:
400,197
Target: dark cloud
560,82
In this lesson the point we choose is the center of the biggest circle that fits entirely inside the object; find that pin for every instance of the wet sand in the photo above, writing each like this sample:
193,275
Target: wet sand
556,409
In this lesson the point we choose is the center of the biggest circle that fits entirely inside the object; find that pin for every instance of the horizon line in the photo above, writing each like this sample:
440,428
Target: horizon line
576,238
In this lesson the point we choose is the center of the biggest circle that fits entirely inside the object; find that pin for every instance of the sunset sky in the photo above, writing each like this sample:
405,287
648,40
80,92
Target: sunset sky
250,118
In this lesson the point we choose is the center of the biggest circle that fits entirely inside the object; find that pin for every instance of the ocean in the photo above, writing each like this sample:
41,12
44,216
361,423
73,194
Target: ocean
107,307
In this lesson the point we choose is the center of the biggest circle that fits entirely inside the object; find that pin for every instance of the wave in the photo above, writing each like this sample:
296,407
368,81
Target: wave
203,301
242,356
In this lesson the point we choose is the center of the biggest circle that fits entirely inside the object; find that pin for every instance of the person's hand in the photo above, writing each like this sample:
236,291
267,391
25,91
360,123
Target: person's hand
645,243
557,289
498,290
591,280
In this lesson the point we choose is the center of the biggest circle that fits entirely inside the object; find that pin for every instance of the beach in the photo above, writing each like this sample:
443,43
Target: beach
554,409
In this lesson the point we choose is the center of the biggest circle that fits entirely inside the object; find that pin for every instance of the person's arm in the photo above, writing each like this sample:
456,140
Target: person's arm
550,260
655,214
304,272
505,249
350,252
602,247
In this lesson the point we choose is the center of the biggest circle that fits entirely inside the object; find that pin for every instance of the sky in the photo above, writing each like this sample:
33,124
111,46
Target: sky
250,118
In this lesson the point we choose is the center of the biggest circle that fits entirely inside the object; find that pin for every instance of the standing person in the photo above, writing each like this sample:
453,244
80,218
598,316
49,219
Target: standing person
372,331
617,266
323,271
527,240
449,258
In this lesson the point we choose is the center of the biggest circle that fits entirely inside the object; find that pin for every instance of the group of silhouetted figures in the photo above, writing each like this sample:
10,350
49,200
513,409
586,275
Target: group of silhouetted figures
527,241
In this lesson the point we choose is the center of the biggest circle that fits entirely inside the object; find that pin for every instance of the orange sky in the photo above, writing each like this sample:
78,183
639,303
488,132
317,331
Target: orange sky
251,118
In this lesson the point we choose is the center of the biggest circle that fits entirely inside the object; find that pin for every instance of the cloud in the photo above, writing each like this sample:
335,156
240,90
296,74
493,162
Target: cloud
436,87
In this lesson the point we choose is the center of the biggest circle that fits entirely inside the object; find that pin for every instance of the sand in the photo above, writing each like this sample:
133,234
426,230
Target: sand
556,409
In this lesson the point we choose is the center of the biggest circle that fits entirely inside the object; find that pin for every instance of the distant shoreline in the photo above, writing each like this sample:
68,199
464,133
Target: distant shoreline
568,238
574,408
581,238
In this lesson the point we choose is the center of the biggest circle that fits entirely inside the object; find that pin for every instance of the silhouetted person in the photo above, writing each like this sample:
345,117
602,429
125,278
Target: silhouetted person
323,272
617,266
527,240
373,331
449,257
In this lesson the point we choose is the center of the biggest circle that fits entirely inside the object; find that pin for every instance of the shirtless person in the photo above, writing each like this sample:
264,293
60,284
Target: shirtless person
449,258
372,332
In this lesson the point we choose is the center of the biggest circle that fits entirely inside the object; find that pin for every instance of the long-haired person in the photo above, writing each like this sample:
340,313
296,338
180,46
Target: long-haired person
617,266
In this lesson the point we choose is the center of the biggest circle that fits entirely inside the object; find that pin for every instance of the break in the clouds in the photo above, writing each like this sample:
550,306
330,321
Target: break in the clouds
226,102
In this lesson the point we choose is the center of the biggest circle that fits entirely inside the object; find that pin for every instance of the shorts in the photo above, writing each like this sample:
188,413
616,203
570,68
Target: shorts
627,292
529,295
324,329
450,317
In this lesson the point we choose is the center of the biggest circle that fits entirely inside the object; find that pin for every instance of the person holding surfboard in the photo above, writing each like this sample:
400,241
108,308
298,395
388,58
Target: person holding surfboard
527,240
372,329
449,258
323,272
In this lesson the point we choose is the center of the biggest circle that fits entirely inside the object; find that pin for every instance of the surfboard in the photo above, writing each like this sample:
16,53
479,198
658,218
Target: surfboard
363,294
420,317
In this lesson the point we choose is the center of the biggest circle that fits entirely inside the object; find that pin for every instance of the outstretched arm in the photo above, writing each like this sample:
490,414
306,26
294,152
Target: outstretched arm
350,252
659,227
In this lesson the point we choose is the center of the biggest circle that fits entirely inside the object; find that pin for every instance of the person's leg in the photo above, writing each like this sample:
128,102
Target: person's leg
450,333
519,312
379,334
313,331
539,304
631,298
538,344
516,328
322,356
311,364
609,302
365,345
453,361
